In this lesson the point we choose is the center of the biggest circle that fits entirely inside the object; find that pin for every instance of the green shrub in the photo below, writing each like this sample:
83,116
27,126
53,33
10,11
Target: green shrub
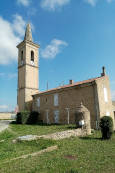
33,118
26,117
106,125
19,118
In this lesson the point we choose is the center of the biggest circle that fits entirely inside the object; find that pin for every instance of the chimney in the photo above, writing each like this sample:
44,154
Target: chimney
71,81
103,71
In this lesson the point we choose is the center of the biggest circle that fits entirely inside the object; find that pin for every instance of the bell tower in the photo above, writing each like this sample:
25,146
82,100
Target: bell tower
28,69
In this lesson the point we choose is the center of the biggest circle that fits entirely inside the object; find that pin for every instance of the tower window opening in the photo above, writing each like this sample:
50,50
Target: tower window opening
22,58
32,56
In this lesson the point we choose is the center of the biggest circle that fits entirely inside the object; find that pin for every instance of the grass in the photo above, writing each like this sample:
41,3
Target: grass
74,155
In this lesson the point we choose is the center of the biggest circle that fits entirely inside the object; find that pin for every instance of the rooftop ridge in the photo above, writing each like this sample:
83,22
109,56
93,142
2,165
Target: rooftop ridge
70,85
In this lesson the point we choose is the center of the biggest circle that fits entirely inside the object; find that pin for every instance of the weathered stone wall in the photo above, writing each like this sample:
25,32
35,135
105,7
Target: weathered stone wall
91,94
5,115
27,73
68,98
21,99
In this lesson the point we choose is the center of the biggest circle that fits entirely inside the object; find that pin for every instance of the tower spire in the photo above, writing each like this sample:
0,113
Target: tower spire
28,33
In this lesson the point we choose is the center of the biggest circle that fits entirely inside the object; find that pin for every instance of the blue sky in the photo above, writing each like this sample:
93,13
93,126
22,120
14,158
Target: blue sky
76,37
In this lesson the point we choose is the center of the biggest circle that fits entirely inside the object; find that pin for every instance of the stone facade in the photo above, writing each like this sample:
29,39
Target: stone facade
90,92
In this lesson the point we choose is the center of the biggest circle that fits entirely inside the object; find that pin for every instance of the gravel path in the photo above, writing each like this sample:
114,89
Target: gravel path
4,124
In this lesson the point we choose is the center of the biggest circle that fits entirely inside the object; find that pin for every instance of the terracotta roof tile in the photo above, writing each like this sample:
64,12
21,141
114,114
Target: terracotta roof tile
70,85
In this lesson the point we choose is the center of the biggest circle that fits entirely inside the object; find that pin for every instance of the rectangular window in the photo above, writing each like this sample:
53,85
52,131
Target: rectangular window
105,95
56,100
56,116
38,102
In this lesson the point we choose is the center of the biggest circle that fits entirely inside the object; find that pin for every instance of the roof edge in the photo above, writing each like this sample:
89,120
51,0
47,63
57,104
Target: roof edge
70,85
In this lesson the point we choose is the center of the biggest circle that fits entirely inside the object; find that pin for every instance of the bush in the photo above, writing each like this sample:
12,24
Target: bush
19,118
26,117
33,118
106,125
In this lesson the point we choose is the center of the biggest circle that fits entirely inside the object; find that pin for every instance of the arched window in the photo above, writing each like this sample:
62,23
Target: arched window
32,56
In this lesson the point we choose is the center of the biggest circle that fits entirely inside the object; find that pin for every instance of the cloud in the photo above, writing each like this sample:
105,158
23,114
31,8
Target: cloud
32,12
24,2
12,75
10,36
19,25
2,74
94,2
7,108
52,5
54,48
8,76
91,2
109,1
2,107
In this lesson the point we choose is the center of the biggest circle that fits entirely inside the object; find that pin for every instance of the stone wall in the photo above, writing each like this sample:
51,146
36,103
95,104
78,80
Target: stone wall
68,98
92,94
28,73
104,97
4,116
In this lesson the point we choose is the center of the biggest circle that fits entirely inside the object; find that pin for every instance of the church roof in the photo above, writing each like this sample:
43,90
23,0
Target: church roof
70,85
28,33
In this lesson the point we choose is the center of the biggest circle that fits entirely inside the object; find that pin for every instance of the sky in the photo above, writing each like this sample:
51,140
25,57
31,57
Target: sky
76,37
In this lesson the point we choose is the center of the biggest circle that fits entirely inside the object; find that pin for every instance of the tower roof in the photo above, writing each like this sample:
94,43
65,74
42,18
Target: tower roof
28,33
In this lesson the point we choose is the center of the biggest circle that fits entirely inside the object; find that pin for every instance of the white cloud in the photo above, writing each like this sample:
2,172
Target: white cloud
54,48
2,107
32,12
109,1
2,74
91,2
6,108
18,25
94,2
52,5
24,2
10,36
12,75
8,75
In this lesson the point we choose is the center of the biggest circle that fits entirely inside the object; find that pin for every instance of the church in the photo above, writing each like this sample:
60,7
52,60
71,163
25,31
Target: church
58,105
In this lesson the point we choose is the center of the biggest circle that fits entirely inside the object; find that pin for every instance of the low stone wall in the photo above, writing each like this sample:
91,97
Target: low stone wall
5,116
